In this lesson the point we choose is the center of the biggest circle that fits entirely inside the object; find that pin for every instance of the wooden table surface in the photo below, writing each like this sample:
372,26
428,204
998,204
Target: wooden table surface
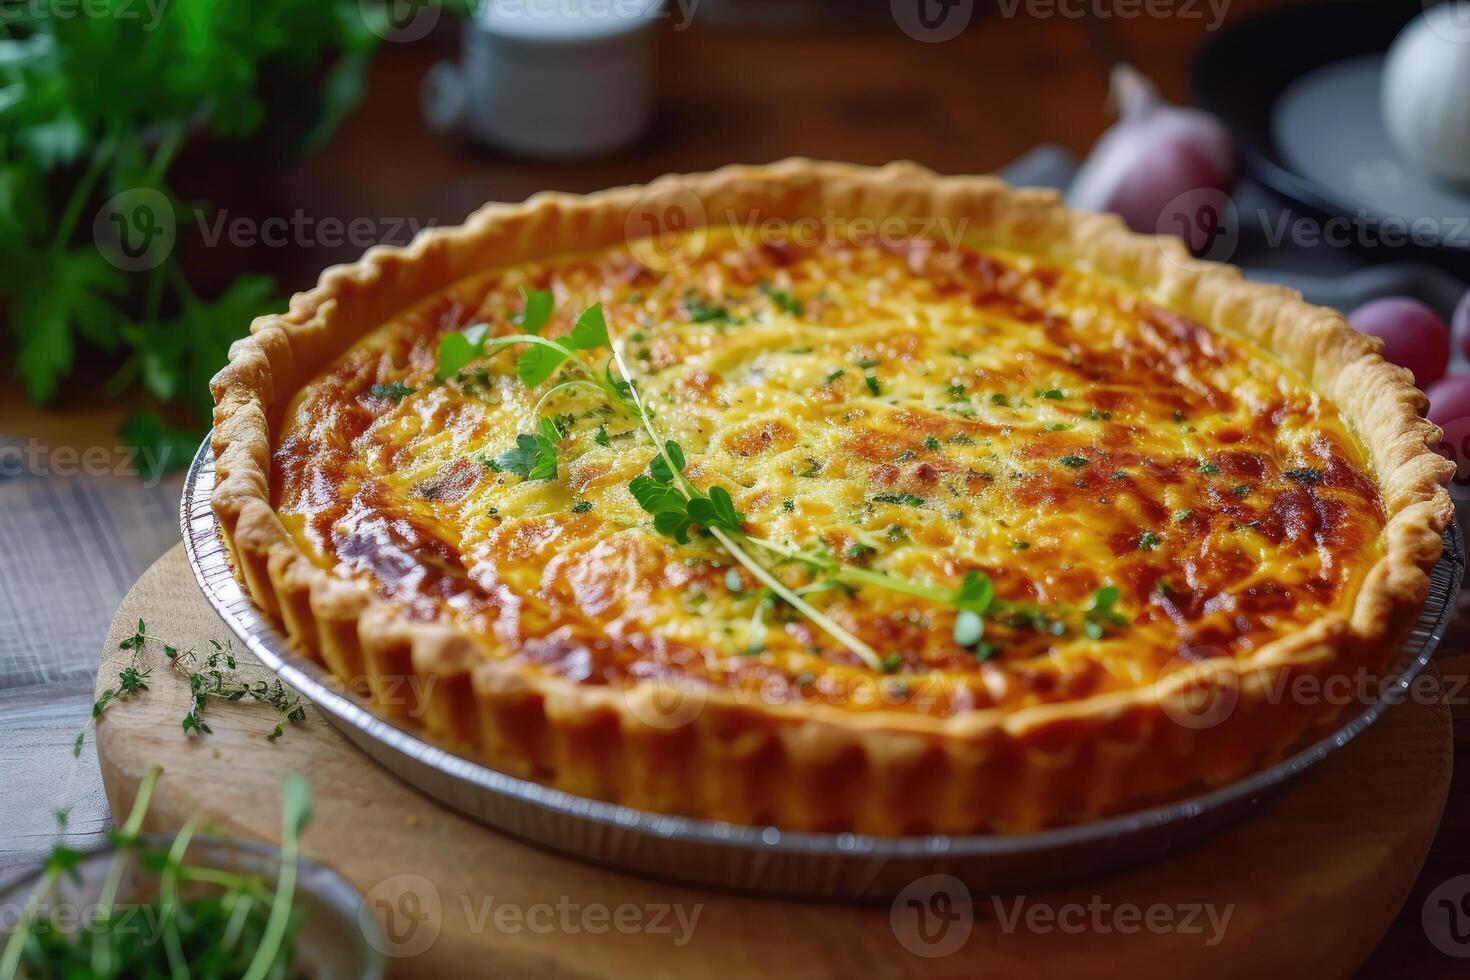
71,543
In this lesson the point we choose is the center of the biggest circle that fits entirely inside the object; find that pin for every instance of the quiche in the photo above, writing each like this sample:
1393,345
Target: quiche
829,498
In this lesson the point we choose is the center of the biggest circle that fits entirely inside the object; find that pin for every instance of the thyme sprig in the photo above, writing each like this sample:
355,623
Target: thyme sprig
216,679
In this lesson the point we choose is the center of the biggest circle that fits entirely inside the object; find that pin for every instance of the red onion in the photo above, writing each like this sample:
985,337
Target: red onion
1449,399
1153,155
1413,335
1460,325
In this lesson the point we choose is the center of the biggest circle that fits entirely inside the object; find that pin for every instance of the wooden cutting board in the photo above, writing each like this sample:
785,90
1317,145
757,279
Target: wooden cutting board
1306,885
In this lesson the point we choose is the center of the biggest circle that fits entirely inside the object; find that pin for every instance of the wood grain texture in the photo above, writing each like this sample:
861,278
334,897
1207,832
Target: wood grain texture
77,528
1311,881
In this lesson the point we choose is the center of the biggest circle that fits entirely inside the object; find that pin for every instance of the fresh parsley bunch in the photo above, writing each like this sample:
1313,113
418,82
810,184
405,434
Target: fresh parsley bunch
97,102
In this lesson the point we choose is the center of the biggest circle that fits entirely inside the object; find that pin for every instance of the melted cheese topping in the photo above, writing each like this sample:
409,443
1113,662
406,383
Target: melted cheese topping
913,410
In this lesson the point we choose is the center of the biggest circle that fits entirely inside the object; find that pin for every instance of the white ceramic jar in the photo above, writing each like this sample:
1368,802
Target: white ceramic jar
551,79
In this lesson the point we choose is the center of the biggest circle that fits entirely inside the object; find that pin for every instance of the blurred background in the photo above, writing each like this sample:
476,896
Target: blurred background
170,169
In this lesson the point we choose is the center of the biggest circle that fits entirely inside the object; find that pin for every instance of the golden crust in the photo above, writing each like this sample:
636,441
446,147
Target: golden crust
706,752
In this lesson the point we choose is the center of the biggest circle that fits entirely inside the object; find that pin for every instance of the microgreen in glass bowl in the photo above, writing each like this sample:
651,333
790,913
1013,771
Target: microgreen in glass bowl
189,905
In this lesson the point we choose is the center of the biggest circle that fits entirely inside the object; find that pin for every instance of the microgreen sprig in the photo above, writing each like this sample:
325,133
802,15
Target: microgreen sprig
679,508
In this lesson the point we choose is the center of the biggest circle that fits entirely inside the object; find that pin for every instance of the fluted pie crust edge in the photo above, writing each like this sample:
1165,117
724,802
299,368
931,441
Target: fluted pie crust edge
708,753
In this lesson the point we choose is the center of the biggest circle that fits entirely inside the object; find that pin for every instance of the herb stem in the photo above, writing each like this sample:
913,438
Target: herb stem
168,900
856,576
834,629
83,190
126,838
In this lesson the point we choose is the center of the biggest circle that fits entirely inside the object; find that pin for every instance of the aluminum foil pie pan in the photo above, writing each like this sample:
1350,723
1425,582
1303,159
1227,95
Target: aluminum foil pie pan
850,867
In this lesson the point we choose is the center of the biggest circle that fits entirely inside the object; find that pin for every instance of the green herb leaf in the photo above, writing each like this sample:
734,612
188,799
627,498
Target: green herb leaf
976,593
534,455
393,391
458,348
590,331
537,309
782,299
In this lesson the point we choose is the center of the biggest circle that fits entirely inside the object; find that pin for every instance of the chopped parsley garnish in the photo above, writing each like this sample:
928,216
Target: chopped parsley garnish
600,436
788,505
1208,469
1074,461
897,533
891,663
393,391
873,385
896,498
813,468
1057,427
857,551
582,507
1020,545
703,311
868,362
999,399
1306,475
956,390
783,299
534,454
1148,541
1099,415
931,443
835,375
1053,394
1241,490
1100,612
1181,514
